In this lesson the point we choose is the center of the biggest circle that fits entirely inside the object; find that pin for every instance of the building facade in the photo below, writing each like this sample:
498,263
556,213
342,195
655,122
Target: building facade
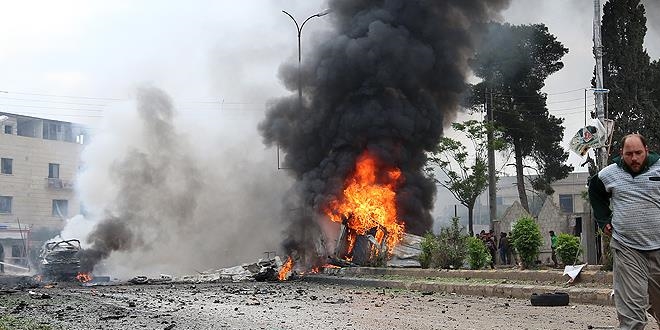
39,160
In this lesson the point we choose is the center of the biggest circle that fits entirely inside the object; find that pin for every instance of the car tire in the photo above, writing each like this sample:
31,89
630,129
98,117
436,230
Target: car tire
549,299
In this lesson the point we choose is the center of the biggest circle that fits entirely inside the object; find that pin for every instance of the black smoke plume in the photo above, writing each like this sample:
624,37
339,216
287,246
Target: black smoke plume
387,78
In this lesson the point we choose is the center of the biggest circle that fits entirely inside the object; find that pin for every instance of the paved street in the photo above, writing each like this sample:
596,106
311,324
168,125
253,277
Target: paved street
290,305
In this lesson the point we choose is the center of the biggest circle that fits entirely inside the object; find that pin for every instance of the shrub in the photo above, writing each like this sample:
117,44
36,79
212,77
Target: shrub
429,246
478,255
568,248
526,238
452,247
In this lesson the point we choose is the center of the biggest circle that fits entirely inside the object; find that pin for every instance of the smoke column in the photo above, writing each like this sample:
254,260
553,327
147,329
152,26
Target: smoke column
387,78
175,195
157,185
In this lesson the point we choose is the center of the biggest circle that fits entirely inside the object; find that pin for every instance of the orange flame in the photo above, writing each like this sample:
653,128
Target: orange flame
369,201
286,268
84,277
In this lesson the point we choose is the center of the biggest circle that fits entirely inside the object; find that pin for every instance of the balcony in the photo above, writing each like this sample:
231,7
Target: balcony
59,184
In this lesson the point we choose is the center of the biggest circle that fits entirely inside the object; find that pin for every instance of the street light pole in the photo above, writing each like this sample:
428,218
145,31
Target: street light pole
299,29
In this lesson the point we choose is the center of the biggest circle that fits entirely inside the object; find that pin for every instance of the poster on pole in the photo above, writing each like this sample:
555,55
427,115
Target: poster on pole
590,136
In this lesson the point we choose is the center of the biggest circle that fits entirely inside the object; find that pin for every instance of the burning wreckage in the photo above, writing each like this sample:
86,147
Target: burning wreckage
61,261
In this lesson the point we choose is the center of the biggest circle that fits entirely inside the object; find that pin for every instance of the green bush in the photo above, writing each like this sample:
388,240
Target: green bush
568,248
452,246
526,238
478,255
429,252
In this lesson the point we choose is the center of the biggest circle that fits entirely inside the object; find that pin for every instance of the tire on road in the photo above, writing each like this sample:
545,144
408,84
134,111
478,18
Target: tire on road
549,299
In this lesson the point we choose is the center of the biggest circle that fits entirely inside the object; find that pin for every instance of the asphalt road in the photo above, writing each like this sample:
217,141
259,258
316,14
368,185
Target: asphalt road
290,305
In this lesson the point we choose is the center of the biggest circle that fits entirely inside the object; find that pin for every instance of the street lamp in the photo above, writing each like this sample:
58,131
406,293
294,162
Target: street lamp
299,28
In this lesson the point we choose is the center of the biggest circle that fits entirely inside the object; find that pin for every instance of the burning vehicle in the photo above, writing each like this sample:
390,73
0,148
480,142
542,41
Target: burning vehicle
60,260
373,98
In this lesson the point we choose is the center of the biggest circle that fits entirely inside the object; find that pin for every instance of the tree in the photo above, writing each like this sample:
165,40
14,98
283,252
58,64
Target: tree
550,156
467,177
513,63
654,83
627,71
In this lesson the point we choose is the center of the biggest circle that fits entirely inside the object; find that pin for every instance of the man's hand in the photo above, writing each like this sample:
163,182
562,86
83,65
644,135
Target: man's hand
607,230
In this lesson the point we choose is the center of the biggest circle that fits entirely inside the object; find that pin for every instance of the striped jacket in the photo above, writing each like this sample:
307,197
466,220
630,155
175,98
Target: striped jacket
630,202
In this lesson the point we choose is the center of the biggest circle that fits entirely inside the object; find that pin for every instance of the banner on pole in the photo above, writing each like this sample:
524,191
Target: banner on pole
591,136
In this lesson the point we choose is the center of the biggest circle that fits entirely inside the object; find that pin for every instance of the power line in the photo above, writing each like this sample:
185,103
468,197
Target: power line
67,96
549,110
59,114
52,108
537,95
61,102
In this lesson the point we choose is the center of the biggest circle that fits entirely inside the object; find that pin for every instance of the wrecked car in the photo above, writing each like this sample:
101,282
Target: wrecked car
60,260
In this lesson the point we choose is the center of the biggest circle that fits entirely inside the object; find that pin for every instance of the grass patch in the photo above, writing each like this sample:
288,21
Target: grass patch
8,322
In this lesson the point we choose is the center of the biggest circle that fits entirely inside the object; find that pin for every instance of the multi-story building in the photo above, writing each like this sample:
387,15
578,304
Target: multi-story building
39,159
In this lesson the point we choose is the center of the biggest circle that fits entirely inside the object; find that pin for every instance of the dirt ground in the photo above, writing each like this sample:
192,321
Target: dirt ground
288,305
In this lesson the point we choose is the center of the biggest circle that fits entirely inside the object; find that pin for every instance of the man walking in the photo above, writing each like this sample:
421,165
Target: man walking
553,247
631,186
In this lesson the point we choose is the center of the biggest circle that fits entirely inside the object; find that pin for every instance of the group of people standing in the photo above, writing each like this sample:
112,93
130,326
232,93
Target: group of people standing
494,245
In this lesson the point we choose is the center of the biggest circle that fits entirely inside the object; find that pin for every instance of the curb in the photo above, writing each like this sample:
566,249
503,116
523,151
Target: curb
555,275
593,296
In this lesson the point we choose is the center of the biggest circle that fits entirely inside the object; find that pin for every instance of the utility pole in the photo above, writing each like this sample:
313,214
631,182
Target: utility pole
599,91
492,182
589,230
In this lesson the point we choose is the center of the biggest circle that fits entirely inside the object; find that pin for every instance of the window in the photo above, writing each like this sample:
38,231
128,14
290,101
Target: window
566,203
60,208
51,130
9,129
499,201
5,204
53,171
17,251
5,165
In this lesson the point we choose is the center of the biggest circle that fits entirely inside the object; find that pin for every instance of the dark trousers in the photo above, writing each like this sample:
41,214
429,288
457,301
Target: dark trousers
554,257
504,256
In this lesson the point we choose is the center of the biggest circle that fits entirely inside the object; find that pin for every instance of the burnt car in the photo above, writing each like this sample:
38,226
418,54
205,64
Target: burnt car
60,260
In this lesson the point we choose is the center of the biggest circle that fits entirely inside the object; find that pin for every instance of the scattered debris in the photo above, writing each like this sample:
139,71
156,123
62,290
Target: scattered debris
38,295
112,317
573,272
139,280
406,253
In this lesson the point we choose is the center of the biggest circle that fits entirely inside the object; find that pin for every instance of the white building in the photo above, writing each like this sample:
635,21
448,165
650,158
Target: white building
39,159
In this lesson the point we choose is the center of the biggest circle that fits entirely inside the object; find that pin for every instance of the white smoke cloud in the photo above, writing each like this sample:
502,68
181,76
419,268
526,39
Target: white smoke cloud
195,192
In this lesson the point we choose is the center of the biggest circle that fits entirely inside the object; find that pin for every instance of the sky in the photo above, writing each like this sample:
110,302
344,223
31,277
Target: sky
215,55
218,62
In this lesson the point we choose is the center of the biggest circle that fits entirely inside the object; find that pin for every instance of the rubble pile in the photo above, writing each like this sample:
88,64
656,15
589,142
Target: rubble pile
260,271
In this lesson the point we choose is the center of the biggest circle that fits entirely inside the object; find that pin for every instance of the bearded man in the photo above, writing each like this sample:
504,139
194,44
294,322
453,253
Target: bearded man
625,197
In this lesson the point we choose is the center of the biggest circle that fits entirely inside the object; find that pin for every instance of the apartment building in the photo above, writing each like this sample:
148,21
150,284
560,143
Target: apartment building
39,159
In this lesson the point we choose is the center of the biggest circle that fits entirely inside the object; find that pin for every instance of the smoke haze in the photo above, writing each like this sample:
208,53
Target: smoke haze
174,202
